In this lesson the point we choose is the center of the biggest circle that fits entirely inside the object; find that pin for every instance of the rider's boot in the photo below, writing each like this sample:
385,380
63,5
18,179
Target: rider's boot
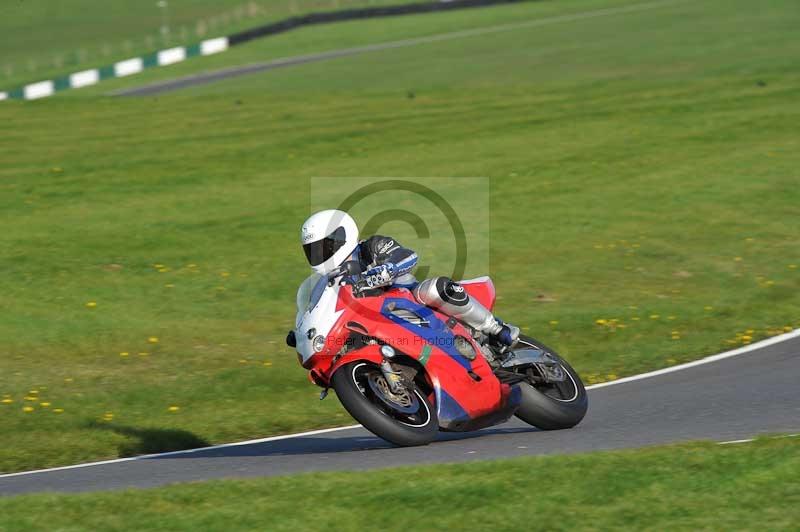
449,297
508,335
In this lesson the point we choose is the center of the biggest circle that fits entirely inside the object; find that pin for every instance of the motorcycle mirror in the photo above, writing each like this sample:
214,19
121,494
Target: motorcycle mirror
352,267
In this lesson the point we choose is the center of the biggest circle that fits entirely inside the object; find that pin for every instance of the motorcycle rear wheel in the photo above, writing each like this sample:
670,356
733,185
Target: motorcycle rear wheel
554,406
406,420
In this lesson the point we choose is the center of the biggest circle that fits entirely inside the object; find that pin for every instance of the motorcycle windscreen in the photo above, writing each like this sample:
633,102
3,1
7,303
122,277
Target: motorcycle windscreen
308,294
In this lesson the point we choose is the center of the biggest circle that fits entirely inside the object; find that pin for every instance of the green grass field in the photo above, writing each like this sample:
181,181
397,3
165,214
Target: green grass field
643,211
687,487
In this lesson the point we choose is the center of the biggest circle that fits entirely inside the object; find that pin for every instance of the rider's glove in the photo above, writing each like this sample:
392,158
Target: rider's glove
381,275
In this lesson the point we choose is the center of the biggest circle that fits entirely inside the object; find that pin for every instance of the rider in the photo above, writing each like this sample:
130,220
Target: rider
330,238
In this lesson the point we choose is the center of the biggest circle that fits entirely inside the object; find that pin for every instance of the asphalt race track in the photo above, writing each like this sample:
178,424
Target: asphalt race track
733,398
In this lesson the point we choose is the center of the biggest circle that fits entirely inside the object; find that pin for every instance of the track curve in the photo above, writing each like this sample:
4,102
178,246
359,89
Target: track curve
204,78
720,398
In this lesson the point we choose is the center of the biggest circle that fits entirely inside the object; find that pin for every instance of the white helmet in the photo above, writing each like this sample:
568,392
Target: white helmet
328,238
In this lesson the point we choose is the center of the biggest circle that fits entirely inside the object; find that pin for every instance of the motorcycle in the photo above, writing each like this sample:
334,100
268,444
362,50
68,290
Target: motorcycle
405,371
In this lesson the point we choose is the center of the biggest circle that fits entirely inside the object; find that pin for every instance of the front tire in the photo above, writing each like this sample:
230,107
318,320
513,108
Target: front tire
553,407
406,420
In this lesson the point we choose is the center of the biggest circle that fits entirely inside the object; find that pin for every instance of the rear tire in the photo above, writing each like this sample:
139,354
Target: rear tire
414,424
553,408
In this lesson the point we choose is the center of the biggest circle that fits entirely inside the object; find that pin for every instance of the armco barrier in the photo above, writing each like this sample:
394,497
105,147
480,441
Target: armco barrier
358,13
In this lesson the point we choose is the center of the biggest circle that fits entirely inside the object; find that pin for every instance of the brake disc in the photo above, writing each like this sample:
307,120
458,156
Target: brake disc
404,402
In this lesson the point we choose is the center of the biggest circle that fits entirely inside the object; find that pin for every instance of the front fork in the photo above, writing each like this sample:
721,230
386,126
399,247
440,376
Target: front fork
393,378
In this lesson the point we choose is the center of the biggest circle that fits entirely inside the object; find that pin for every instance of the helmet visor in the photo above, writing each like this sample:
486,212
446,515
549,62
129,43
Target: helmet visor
321,250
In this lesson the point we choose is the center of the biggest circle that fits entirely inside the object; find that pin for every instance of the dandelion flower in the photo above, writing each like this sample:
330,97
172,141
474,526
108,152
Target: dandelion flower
124,354
91,304
746,338
144,354
7,401
553,322
58,410
654,316
44,405
174,408
267,364
27,409
153,340
601,322
69,379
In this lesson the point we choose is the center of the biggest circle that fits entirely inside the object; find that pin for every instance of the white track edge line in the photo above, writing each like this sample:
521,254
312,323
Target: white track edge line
714,358
721,356
186,451
733,442
748,440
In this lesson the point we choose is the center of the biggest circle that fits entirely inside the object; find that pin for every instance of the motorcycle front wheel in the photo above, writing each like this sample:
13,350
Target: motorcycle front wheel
405,419
552,406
